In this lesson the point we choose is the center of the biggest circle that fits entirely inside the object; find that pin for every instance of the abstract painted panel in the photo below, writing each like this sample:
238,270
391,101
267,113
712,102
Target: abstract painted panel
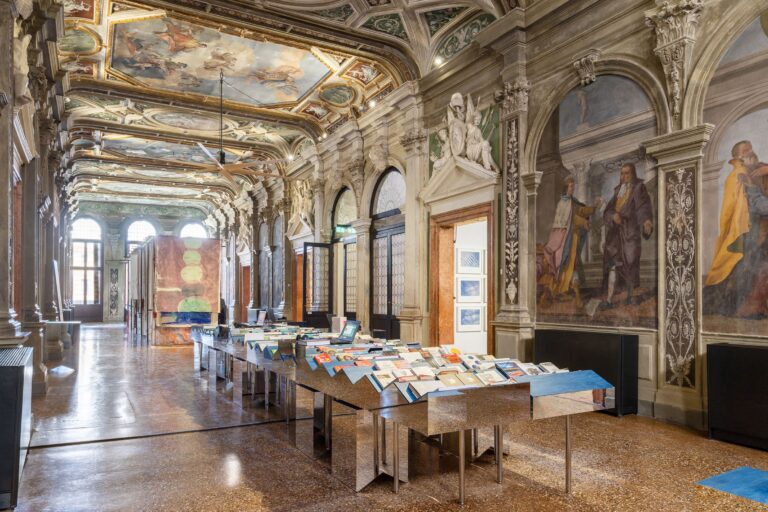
187,275
390,24
463,36
596,233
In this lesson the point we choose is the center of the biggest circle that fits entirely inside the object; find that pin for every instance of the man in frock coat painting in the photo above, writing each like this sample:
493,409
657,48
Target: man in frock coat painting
628,217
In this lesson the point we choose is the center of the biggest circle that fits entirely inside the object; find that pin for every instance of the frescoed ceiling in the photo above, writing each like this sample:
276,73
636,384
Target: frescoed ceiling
145,83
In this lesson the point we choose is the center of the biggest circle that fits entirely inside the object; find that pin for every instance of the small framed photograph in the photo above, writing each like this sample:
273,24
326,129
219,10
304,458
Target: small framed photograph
469,318
469,289
469,261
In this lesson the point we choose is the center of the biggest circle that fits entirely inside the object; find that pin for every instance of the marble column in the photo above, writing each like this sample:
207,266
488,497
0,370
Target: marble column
412,321
10,329
680,352
30,271
362,229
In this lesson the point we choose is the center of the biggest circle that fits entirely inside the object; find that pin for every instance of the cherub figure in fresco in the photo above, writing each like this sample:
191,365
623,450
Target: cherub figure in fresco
220,59
282,78
179,38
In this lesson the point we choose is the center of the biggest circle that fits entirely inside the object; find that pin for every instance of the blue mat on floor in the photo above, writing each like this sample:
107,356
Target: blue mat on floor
746,482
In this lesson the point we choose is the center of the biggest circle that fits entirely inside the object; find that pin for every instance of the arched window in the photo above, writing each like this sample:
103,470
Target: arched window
389,198
193,230
344,212
86,261
138,232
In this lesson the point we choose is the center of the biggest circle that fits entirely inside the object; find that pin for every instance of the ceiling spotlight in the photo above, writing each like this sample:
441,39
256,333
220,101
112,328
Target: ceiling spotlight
372,103
290,158
438,61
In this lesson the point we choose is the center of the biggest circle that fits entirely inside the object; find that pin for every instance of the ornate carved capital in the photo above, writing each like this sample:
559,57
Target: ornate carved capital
413,139
585,66
48,128
355,174
675,24
514,97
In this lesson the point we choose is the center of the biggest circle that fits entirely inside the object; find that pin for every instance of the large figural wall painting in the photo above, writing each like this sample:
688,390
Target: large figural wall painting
735,190
184,57
187,279
596,209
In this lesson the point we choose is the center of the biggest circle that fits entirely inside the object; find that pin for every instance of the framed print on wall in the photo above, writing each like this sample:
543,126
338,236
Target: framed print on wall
469,318
469,261
469,289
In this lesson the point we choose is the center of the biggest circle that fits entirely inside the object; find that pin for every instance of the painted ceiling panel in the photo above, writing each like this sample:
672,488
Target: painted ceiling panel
175,55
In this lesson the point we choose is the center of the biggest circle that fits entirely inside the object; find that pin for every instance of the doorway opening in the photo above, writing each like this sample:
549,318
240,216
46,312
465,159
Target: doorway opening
461,280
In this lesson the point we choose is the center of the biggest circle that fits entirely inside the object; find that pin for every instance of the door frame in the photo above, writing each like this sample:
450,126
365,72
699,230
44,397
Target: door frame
388,232
450,219
317,318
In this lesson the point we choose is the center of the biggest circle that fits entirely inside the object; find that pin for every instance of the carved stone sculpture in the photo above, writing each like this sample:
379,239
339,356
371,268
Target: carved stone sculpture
379,157
457,125
445,157
21,66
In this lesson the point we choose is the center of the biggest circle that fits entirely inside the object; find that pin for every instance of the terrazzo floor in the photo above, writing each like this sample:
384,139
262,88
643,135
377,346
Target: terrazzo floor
629,463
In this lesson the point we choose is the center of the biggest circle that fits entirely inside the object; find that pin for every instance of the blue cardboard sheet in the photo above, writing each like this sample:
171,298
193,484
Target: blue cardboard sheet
569,382
749,483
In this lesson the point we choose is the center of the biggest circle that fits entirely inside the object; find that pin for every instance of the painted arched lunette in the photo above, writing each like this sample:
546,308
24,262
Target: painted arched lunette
725,29
372,184
745,107
377,184
330,202
623,66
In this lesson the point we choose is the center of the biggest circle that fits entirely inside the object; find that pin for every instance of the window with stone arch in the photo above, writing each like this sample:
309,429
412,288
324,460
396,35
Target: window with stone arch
137,233
193,230
87,260
389,197
344,212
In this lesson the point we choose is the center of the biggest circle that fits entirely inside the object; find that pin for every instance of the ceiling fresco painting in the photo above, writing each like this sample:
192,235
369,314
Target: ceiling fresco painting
144,85
171,54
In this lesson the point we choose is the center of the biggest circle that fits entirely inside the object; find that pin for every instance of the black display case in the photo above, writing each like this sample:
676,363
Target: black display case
612,356
15,419
737,393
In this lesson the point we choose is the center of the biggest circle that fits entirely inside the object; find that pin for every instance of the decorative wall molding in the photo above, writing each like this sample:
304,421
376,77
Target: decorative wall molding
413,139
680,315
585,66
675,24
512,213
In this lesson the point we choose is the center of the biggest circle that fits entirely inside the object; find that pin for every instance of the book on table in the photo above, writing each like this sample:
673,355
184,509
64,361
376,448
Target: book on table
423,372
469,379
450,368
491,377
404,375
450,380
531,369
422,387
322,357
548,367
386,364
363,362
511,369
383,378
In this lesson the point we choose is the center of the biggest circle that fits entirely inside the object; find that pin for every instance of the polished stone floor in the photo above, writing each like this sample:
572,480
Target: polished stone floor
631,463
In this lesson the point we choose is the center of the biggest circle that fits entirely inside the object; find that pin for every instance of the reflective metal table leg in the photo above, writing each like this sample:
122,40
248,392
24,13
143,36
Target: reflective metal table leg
475,443
375,444
568,454
396,456
266,389
383,440
498,447
327,420
462,462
